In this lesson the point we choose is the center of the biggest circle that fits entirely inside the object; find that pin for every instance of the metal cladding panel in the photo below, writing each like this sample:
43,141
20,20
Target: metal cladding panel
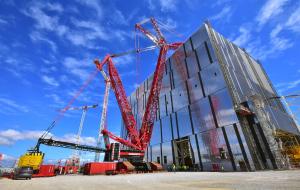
174,126
188,47
169,103
192,64
184,122
202,116
156,134
195,151
166,129
281,120
156,153
178,67
212,78
199,37
179,97
203,56
167,154
235,146
265,84
194,88
162,106
212,144
166,83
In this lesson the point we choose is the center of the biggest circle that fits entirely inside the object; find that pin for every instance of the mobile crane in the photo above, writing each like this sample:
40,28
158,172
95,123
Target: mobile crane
138,140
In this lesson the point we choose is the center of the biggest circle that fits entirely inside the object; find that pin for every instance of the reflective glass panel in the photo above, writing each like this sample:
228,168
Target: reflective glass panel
194,87
166,129
213,151
156,154
167,155
179,97
203,56
199,37
174,126
156,138
188,48
212,79
192,64
202,116
194,148
178,66
223,107
162,106
184,122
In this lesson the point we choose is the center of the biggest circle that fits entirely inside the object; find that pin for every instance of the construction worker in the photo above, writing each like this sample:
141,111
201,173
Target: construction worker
174,167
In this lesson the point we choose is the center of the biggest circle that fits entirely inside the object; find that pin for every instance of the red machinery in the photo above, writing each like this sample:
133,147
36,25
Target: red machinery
138,140
46,171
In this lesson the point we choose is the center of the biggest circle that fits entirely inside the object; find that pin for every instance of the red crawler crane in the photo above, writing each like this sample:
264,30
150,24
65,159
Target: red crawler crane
139,140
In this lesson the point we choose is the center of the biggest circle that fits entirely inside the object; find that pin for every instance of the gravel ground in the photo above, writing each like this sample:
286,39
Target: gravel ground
273,180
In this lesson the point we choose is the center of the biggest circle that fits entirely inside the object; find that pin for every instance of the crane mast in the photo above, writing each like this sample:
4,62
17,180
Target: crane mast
103,117
138,140
152,103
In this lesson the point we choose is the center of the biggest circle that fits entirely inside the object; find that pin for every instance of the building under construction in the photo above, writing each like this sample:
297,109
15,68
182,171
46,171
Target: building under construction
218,111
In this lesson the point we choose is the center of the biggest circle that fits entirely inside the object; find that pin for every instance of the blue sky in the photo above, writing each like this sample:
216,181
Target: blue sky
47,50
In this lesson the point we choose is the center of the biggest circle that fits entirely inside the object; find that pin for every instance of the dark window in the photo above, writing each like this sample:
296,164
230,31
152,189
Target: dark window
165,160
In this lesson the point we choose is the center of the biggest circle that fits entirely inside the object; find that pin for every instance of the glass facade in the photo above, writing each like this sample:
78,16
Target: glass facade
202,116
197,124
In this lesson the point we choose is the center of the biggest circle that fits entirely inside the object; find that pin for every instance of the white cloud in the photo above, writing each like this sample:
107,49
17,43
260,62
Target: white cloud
119,18
44,21
2,21
276,43
73,138
270,9
124,60
35,37
224,14
9,106
56,99
78,67
93,4
86,33
282,87
11,136
220,2
168,5
7,157
50,80
168,23
243,38
54,7
48,69
16,65
293,22
164,5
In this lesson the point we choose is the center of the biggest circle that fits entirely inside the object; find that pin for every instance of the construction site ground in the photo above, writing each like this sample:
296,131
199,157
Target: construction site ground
287,180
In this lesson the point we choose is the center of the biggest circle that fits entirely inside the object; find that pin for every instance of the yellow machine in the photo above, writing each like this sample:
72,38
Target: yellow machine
290,147
31,159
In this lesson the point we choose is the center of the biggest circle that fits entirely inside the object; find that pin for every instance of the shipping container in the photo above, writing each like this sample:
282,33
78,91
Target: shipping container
94,168
45,171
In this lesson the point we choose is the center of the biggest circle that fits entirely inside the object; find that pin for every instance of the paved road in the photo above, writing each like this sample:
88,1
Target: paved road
273,180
